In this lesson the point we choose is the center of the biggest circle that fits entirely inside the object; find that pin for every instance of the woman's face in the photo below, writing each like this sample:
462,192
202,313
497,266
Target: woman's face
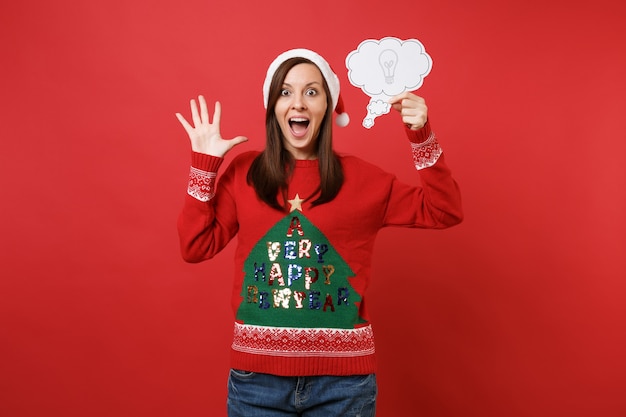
300,110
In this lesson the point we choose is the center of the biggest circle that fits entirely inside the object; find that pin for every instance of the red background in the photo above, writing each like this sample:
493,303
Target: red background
519,311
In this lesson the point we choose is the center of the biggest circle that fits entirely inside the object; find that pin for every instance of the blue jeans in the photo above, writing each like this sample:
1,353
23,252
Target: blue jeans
261,395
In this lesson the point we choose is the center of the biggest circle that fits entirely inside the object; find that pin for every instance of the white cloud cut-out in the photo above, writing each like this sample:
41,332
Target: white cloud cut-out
385,68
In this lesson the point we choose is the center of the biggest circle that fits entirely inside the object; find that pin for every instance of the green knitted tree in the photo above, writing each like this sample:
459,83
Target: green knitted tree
294,278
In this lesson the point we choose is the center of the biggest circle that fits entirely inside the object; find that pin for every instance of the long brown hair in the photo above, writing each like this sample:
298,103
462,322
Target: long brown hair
270,171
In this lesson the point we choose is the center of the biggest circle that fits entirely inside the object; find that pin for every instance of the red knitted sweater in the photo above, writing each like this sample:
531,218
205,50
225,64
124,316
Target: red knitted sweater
301,276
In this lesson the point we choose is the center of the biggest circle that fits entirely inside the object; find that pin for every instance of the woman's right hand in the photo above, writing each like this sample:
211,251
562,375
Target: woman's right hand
205,137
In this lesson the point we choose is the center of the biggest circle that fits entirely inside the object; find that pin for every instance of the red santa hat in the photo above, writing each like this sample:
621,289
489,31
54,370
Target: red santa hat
331,78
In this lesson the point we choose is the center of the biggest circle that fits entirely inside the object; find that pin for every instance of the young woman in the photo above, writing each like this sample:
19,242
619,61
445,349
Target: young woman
306,219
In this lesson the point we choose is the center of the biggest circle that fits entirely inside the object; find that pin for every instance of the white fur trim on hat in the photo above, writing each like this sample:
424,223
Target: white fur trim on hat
331,79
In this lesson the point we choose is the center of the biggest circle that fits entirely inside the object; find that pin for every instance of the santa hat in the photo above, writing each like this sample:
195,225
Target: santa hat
331,78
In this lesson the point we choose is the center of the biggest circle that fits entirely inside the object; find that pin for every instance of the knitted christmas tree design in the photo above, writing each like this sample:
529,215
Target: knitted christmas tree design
295,278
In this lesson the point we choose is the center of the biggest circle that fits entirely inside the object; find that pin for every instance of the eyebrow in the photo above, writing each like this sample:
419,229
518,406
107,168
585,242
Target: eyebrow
306,85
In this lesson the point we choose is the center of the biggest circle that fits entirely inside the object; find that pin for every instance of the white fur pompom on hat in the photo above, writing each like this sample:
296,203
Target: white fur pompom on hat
331,78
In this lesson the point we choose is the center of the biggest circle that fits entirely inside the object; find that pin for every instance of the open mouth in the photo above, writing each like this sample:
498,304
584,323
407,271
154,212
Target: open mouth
298,125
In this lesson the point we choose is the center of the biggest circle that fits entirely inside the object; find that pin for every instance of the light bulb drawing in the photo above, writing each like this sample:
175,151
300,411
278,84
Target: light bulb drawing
388,60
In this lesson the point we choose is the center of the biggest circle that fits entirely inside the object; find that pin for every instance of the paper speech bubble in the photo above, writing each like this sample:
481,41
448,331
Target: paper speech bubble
385,68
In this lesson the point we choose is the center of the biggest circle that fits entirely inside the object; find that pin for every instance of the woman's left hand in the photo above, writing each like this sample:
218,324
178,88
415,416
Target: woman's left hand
412,108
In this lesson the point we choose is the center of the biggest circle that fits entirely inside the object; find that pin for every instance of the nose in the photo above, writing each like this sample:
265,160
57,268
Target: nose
298,102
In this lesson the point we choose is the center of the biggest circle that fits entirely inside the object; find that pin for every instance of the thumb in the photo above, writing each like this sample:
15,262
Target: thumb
238,140
393,99
396,102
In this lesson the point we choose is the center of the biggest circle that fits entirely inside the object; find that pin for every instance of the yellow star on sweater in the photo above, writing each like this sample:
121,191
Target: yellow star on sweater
296,203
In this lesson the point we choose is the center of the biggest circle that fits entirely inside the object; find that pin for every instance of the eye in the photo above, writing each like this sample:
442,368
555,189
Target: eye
311,92
284,92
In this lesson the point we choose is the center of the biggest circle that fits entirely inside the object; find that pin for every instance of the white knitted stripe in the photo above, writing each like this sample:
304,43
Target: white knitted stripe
303,342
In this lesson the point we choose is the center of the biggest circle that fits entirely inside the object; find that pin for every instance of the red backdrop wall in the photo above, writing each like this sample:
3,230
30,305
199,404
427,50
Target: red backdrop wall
519,311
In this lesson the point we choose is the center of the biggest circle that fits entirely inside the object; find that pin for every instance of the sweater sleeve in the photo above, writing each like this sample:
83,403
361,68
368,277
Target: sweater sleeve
436,203
203,229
